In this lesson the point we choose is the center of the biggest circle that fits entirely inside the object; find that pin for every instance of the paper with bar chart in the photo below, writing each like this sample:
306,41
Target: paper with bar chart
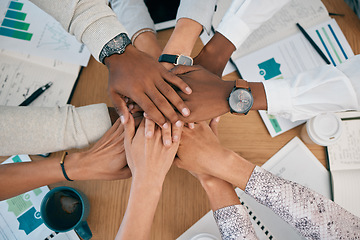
28,29
290,56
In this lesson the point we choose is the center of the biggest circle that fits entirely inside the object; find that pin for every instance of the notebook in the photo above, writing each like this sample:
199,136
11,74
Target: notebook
293,162
344,163
20,216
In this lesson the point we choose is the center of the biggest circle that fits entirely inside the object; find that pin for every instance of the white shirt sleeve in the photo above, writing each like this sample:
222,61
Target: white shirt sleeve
200,11
36,130
133,14
92,22
245,16
323,89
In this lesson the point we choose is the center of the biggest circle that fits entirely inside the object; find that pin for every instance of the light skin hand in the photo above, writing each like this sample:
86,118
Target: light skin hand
201,153
149,161
138,76
104,161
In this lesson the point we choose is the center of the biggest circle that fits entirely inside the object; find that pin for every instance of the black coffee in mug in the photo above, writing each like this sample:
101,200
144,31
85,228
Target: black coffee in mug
64,210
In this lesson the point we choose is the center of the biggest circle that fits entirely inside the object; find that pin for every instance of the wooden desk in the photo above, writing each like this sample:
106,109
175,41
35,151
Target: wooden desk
184,201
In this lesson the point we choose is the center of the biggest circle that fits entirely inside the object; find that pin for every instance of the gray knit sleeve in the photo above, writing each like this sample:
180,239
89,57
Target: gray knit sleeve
314,216
34,130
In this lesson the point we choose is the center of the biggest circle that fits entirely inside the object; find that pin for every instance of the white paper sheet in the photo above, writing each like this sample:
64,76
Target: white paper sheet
20,216
291,56
294,162
20,78
37,33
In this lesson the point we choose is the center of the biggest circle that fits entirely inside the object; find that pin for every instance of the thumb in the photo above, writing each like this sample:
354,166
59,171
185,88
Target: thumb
120,107
182,69
129,132
214,125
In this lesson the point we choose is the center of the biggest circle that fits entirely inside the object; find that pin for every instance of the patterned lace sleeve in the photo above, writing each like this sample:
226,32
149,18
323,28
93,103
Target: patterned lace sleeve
314,216
234,223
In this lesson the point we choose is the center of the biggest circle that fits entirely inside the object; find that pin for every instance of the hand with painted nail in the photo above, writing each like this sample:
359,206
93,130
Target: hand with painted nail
138,76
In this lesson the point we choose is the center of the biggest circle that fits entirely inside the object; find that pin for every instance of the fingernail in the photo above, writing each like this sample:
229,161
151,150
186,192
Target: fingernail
122,119
175,138
126,99
178,123
166,125
149,134
131,106
217,119
186,112
167,142
188,90
145,115
191,125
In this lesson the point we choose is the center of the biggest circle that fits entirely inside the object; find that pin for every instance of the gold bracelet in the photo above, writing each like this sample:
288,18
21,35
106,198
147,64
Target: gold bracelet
63,168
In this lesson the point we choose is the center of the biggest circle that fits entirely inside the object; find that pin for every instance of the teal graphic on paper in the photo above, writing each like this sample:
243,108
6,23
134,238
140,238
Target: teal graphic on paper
30,220
19,204
14,25
269,69
16,159
37,191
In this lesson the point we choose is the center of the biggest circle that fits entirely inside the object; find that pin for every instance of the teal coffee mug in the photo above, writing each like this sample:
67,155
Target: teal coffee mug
64,209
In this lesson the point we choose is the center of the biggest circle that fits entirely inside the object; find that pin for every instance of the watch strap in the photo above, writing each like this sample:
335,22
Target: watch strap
121,41
170,58
241,83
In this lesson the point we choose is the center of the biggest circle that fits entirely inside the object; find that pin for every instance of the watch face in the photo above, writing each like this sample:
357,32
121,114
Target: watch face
116,43
184,60
241,100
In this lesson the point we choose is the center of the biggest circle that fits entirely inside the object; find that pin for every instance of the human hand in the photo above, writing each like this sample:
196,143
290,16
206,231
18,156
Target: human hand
138,76
200,150
215,54
147,157
104,161
209,93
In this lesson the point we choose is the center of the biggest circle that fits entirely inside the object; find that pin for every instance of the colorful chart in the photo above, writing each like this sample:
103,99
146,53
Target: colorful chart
14,25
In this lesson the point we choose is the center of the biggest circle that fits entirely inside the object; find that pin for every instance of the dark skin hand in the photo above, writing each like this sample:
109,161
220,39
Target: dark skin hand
138,76
210,93
215,54
209,96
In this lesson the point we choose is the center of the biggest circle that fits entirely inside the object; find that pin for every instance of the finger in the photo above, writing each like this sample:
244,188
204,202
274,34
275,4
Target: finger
125,173
182,69
149,128
166,134
173,97
120,106
129,132
135,108
214,125
191,125
163,105
153,112
178,82
176,131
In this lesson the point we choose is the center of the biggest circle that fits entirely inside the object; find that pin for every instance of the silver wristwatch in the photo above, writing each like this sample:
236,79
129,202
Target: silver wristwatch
116,45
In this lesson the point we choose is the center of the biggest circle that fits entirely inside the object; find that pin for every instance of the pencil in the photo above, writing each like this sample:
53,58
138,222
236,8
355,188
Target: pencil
315,46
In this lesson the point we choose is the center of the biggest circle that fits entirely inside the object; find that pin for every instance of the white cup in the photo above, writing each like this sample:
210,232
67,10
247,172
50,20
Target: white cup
204,236
323,129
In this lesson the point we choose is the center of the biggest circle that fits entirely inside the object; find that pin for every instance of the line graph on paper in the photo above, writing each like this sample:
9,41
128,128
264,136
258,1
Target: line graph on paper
54,37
